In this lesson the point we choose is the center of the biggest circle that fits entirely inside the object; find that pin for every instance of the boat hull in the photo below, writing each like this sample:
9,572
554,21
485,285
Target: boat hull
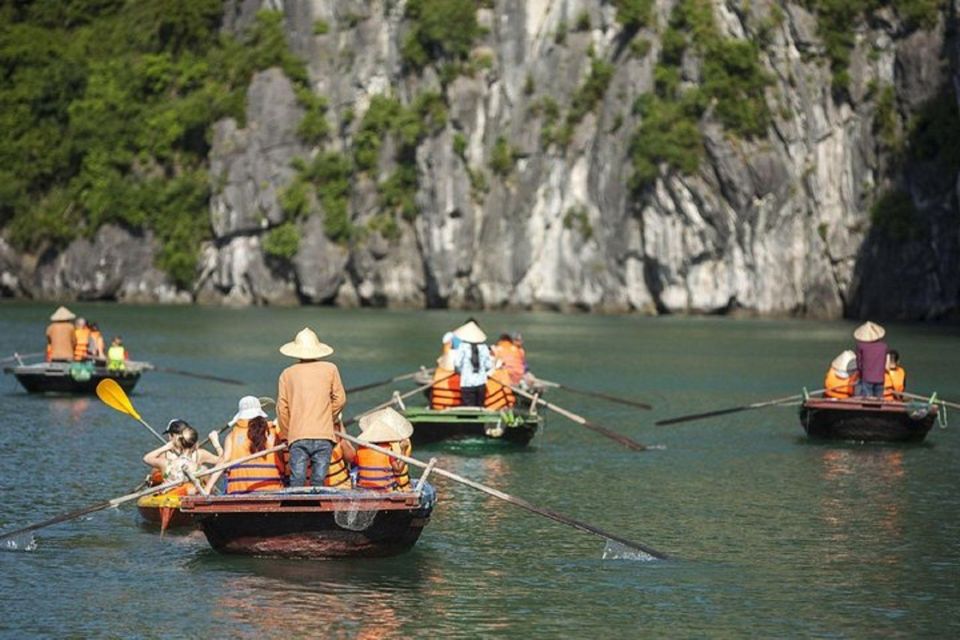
866,420
460,423
312,525
175,517
56,378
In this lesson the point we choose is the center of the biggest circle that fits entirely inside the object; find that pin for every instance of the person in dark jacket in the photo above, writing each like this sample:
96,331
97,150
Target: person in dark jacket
871,359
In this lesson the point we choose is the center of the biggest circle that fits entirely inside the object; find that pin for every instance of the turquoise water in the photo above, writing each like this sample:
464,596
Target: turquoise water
770,535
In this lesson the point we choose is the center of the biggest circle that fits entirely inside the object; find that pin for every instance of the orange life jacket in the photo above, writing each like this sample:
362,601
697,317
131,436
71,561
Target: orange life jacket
259,474
499,394
513,358
837,387
445,394
894,382
374,471
338,475
83,337
403,476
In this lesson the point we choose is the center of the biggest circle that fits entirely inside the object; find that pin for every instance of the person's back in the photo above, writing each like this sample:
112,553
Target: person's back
61,341
259,474
82,340
116,356
841,376
499,395
379,471
445,392
871,359
512,357
894,378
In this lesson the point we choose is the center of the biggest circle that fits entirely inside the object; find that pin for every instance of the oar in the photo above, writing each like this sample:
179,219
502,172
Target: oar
915,396
100,506
520,502
630,443
114,397
373,385
18,356
596,394
723,412
199,376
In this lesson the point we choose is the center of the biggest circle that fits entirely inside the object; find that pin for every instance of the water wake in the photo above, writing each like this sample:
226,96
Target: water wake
616,551
25,542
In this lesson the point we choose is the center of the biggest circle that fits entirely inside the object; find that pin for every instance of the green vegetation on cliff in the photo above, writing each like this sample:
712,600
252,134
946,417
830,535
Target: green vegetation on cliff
106,107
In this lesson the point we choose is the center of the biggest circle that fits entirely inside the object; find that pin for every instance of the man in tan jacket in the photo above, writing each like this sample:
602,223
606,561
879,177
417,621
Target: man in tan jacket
61,338
310,398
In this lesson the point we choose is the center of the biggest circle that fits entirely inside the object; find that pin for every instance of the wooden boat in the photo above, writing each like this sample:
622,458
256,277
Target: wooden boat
164,509
313,523
516,426
74,377
867,419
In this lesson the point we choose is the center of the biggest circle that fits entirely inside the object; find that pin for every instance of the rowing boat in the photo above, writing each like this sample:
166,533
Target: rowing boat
317,522
514,426
867,419
74,377
163,509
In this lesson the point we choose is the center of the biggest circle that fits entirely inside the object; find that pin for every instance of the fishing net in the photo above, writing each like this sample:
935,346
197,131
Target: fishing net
353,518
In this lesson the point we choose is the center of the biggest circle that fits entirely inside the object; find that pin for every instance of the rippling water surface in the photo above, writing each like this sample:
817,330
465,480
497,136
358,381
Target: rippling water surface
771,535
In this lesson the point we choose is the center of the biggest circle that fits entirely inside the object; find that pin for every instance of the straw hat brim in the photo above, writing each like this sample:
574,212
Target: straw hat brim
304,352
248,414
62,315
381,432
869,332
386,425
471,333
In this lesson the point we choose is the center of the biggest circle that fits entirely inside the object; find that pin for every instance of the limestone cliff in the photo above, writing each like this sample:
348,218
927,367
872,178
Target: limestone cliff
507,213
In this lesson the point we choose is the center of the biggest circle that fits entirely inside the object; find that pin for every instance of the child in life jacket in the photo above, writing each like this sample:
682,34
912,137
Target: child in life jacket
379,471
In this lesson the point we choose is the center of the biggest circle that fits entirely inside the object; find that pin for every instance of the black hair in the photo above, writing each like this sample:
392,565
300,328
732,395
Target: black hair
894,355
188,437
475,357
505,337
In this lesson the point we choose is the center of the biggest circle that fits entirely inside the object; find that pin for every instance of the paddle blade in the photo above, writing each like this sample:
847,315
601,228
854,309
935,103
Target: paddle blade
113,395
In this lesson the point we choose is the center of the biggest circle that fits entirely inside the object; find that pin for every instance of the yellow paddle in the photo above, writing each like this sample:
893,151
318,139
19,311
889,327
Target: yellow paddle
113,395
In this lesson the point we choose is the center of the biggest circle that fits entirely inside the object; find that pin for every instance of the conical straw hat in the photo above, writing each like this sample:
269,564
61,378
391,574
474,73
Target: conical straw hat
386,425
62,314
306,346
471,332
845,364
869,332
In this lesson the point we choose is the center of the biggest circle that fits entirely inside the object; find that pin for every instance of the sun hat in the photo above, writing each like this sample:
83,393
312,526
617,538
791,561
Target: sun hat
471,332
306,346
845,364
62,314
869,332
248,408
175,426
385,425
446,360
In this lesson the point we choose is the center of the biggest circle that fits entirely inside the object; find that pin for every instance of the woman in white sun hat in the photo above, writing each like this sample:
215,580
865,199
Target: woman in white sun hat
252,432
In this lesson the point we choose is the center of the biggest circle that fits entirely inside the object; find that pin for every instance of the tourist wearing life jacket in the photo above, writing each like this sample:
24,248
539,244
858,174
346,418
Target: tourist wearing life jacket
512,355
251,433
310,396
473,362
841,376
871,359
95,345
378,471
445,392
116,355
82,339
338,472
895,378
61,337
181,456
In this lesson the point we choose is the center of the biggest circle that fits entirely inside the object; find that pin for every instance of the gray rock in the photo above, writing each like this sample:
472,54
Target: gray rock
320,265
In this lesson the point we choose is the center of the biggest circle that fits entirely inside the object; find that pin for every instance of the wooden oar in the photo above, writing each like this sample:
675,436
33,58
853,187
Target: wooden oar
915,396
18,356
373,385
199,376
113,395
100,506
630,443
722,412
519,502
596,394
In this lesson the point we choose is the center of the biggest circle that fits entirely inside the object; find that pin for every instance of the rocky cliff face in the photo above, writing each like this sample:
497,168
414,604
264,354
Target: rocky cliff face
777,224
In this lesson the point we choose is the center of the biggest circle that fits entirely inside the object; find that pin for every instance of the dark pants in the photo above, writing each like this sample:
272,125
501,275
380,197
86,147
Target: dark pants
871,389
473,396
318,453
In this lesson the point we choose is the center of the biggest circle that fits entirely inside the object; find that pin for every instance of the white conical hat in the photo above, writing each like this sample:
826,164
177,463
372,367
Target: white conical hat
471,332
385,425
62,314
306,346
869,332
844,364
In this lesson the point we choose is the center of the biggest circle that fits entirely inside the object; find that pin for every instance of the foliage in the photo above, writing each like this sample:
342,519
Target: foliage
439,30
934,132
330,173
633,14
885,120
502,157
591,91
282,241
320,27
460,144
577,218
106,106
583,21
669,134
313,127
896,216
